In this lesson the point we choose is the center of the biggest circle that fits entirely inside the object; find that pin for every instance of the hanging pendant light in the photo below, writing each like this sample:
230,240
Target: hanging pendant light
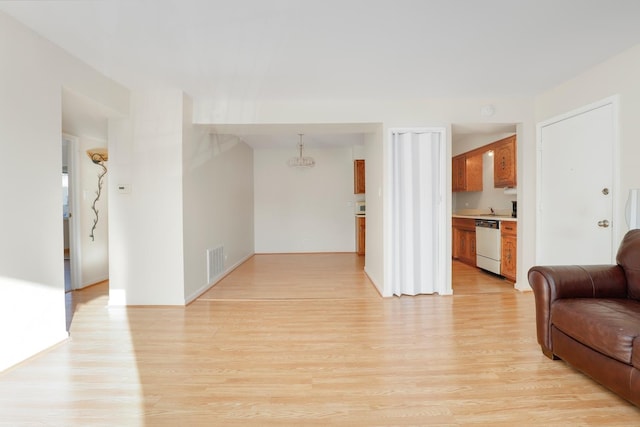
301,161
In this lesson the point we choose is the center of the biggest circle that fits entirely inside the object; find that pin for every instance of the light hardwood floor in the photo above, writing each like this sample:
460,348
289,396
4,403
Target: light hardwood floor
297,340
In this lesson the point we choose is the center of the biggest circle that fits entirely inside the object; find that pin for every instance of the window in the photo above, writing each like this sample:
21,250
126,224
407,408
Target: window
65,195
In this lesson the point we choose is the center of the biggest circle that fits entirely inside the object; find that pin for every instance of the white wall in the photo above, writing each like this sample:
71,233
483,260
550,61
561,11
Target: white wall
304,209
218,203
94,259
374,170
145,230
33,72
618,75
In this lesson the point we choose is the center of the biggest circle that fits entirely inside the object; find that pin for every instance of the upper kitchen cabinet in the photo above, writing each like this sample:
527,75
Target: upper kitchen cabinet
459,173
358,177
467,172
504,162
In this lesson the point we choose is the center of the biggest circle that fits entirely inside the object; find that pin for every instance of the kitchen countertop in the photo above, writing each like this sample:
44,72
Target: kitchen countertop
492,217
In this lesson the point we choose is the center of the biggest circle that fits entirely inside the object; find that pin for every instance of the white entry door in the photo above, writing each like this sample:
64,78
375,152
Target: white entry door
575,187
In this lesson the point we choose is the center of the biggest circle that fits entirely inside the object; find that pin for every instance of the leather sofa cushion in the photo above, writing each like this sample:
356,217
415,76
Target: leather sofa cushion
609,326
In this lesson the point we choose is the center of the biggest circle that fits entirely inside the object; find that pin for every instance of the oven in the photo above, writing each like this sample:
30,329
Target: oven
488,248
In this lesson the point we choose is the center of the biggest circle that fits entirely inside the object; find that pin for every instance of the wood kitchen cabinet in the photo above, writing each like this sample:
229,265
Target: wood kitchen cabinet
467,172
508,238
459,174
358,177
504,162
464,240
361,226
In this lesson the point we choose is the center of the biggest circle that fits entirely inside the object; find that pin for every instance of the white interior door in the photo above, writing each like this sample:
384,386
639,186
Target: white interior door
575,191
417,213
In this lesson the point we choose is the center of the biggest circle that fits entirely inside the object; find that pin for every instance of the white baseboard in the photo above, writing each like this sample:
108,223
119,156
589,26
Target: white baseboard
205,288
93,281
12,361
377,286
522,288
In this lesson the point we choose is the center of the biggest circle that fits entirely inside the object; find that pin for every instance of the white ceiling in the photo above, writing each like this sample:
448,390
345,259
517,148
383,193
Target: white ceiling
337,49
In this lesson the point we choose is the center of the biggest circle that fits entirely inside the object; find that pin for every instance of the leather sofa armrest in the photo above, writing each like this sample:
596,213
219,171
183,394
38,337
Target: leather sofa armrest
550,283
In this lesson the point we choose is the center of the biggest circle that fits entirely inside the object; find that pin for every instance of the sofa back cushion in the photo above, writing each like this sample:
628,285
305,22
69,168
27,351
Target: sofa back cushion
629,259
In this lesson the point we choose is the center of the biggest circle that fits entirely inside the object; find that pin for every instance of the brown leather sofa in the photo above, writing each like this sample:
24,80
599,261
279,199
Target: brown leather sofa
589,316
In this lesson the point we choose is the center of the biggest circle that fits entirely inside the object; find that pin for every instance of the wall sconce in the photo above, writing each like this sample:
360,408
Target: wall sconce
98,156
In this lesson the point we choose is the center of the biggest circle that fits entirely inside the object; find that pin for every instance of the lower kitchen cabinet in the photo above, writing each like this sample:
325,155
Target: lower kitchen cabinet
361,226
508,236
464,240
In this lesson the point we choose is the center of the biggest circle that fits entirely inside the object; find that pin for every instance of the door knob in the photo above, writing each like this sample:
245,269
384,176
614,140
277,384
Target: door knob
604,223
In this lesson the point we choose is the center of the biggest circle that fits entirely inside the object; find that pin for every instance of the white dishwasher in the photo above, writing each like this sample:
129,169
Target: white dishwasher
488,245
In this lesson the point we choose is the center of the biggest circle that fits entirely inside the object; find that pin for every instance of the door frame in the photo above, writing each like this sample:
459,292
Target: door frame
614,101
75,243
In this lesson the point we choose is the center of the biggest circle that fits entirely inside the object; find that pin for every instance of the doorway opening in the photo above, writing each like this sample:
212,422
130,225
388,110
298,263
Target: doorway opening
84,127
483,189
70,216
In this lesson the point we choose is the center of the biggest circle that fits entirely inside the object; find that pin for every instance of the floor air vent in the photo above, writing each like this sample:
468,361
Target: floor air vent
215,263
